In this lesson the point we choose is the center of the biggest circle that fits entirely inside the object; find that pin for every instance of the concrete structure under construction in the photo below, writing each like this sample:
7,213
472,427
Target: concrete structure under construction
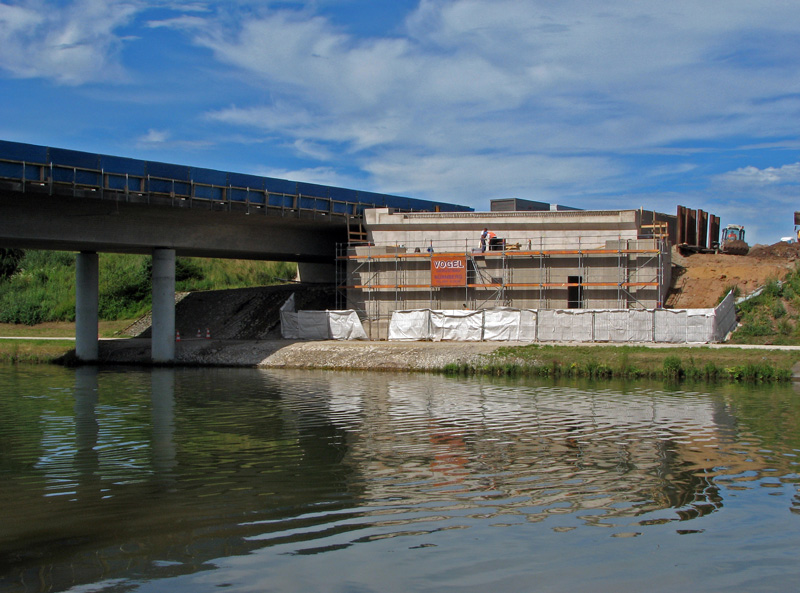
573,259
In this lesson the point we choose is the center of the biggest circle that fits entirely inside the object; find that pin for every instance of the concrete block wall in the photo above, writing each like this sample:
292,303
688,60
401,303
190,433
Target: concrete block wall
400,257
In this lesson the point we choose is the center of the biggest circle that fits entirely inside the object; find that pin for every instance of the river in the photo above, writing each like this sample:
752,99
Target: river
196,480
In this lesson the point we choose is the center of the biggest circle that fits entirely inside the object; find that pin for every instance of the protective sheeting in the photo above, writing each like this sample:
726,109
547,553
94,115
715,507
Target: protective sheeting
675,326
290,326
635,325
319,325
565,325
456,326
345,325
699,325
313,325
528,322
501,324
726,316
411,325
670,325
680,326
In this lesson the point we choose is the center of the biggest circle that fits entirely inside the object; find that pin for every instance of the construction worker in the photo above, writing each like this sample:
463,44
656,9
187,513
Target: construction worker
486,238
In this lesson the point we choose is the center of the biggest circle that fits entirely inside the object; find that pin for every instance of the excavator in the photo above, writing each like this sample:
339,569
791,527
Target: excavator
733,241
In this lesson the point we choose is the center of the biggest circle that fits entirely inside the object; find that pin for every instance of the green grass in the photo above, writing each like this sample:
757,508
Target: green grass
630,362
39,286
773,317
33,351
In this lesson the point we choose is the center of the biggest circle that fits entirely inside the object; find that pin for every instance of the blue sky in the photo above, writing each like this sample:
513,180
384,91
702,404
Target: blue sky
590,104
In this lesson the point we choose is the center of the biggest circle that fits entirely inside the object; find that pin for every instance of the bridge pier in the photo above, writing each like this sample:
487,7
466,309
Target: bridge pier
87,288
163,329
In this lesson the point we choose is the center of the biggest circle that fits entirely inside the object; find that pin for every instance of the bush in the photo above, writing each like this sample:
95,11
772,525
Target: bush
9,261
673,368
778,310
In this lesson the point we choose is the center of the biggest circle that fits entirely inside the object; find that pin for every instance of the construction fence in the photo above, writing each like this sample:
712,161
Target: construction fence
675,326
319,325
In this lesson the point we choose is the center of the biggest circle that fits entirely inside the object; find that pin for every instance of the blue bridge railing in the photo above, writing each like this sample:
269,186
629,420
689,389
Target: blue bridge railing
58,171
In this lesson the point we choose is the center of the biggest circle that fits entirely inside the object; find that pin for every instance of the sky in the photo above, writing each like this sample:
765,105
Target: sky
595,105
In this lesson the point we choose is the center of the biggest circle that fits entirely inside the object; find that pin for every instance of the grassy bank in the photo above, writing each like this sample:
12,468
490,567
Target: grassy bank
62,329
630,362
33,351
773,317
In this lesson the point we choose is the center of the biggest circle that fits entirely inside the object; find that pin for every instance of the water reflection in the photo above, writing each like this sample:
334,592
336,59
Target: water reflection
160,474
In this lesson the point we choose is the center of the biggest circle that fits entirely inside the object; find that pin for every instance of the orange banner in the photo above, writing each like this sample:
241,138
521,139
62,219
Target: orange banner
448,270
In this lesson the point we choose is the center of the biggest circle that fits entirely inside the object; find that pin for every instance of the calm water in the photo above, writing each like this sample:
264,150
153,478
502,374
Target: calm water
246,480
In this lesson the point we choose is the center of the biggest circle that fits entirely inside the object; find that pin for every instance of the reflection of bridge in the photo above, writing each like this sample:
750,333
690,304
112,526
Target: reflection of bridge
53,198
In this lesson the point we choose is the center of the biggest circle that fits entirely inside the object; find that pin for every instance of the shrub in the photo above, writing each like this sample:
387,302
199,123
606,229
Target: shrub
672,367
778,310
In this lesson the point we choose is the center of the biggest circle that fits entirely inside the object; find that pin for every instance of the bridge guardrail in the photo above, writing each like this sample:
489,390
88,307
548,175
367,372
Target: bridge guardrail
51,169
54,177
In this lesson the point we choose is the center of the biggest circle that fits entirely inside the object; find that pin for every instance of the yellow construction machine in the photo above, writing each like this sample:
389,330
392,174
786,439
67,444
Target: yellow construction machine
733,241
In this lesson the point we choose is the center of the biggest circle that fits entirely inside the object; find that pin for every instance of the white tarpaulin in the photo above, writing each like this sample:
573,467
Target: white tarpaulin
567,325
640,325
290,329
699,325
725,317
623,325
527,325
410,325
670,325
313,325
696,325
345,325
319,325
458,326
501,324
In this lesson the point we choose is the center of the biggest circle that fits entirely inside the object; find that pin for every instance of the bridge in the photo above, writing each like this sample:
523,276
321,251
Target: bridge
59,199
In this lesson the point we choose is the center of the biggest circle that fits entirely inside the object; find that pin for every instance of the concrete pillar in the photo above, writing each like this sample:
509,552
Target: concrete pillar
163,332
87,274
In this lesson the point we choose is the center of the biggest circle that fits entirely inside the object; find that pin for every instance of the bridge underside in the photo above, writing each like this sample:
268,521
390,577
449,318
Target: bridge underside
163,228
40,220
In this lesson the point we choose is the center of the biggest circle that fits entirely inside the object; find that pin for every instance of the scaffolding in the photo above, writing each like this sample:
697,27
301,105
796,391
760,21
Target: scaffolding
377,280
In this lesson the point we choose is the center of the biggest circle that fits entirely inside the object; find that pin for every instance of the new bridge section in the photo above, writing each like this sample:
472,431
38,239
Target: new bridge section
52,198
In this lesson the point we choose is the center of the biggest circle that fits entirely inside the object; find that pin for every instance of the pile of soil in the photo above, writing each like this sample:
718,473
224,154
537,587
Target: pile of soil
701,279
242,313
781,251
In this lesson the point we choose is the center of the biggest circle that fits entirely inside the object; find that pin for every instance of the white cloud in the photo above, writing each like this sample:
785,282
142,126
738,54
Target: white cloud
475,179
320,175
753,177
153,137
163,140
565,76
72,44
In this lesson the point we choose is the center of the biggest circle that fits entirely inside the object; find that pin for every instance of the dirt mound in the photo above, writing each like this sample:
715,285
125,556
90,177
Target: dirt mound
699,280
244,313
780,250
